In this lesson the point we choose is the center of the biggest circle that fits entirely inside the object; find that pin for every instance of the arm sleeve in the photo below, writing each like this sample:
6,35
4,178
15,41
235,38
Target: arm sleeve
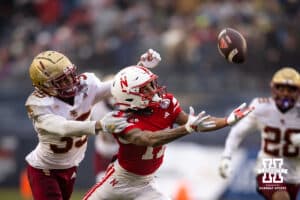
177,109
57,125
103,90
237,133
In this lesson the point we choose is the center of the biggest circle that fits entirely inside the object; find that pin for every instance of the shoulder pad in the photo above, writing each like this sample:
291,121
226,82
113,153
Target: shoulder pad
88,77
261,100
170,97
169,100
39,99
89,80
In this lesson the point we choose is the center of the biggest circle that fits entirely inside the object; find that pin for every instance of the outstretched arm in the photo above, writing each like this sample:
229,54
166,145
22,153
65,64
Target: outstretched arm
236,115
234,138
157,138
57,125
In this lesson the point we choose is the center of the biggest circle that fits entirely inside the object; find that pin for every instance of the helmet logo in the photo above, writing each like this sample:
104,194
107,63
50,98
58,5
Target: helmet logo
123,83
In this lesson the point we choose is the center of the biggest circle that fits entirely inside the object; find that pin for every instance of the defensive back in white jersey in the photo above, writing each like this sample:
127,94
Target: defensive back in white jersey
276,129
61,145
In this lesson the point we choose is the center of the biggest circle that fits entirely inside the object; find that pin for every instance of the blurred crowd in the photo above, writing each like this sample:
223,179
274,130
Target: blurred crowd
106,35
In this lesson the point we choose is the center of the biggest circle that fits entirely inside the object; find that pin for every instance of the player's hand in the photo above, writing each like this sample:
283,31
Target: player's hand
238,113
150,59
225,168
112,123
199,122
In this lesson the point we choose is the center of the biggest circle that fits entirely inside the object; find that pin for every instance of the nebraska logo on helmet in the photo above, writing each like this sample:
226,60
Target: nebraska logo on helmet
123,83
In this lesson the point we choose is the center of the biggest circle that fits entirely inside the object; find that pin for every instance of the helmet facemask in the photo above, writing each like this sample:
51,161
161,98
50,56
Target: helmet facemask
285,96
63,86
150,92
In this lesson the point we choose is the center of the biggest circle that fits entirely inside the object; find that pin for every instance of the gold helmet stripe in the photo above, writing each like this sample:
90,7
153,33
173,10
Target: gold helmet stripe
50,60
42,69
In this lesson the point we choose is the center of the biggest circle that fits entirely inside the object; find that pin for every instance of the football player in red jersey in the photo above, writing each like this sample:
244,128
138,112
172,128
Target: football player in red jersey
278,120
59,108
105,145
151,113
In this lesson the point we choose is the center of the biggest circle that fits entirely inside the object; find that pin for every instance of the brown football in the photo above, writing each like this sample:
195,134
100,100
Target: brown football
232,45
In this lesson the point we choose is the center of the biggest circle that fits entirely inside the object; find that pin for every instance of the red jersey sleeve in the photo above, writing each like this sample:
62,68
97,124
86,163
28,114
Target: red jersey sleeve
174,105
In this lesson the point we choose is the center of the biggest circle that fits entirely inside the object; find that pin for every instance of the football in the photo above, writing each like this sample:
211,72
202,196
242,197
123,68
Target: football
232,45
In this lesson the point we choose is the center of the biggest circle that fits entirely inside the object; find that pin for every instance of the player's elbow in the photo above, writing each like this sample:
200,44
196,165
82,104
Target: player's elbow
63,131
60,129
48,124
58,132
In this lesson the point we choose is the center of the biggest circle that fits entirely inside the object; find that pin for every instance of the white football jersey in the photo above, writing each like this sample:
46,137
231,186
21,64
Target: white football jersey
105,144
276,129
62,128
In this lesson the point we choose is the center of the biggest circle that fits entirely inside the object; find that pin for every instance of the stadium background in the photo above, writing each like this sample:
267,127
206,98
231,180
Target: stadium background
103,36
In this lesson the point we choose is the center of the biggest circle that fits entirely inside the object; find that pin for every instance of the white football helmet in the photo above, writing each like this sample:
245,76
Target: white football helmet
54,74
135,87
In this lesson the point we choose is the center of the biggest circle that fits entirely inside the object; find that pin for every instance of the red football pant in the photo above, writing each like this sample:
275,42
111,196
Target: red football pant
56,184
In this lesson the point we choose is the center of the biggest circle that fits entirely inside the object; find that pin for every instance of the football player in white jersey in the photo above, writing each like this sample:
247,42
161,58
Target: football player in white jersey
151,113
278,120
59,108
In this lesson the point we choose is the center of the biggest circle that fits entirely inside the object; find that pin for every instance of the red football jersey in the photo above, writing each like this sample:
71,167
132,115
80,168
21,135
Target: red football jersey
144,160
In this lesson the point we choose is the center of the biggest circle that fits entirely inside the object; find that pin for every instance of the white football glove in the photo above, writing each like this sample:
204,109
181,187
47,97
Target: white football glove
112,123
225,167
199,122
150,59
238,113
